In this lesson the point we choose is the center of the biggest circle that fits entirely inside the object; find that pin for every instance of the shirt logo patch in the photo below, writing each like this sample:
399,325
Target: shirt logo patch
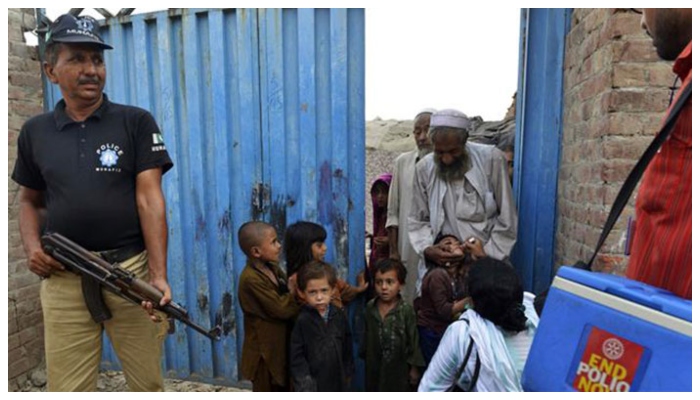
158,143
109,158
109,154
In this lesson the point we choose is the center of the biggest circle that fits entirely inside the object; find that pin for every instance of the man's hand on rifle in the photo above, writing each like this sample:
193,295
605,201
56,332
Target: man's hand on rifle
162,285
42,264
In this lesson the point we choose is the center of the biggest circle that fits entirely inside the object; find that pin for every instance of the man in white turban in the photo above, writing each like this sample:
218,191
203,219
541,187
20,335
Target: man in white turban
461,189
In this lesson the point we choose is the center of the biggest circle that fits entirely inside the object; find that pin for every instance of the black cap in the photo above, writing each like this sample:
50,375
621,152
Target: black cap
71,29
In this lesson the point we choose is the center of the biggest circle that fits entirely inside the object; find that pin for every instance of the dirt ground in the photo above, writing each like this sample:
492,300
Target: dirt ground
112,381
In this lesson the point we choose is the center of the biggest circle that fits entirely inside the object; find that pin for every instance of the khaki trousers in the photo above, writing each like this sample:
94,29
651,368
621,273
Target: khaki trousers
73,340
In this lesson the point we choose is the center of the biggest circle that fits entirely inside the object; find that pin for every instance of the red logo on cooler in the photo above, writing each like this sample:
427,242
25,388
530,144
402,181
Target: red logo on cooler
609,363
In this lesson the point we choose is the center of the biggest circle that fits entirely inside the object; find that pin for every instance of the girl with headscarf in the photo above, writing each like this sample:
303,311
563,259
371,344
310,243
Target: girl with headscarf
380,235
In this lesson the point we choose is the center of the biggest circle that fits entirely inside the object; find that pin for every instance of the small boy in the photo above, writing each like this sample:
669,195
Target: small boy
321,347
268,306
443,296
391,350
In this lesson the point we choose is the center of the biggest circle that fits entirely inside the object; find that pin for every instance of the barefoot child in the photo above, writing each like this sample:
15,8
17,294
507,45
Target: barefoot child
267,306
390,349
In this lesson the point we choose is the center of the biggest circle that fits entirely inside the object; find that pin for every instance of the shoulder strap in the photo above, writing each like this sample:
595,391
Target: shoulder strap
477,368
464,362
636,174
475,376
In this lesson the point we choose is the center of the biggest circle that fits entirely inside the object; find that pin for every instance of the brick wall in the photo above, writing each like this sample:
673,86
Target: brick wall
25,327
615,92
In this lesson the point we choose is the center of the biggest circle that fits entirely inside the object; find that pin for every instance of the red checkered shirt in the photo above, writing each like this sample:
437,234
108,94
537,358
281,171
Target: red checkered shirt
661,252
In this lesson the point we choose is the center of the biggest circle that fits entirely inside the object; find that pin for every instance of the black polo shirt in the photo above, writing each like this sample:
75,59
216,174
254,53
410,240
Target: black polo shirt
88,170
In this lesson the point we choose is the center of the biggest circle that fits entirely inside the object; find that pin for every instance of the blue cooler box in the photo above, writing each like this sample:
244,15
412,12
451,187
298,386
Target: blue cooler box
601,332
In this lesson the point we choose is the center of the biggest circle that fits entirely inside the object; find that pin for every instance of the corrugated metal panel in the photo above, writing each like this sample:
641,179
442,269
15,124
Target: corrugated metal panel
268,100
312,79
537,143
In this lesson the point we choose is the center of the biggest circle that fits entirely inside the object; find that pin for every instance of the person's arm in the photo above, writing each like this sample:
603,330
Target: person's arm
273,305
362,351
474,247
32,206
392,217
298,364
458,305
348,361
440,292
447,359
419,230
151,162
31,211
440,255
504,232
150,204
415,357
348,292
394,243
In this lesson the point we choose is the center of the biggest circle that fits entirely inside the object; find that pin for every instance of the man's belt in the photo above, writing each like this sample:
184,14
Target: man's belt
123,253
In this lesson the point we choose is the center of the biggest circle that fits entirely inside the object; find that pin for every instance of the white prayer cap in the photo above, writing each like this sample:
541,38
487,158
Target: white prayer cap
450,118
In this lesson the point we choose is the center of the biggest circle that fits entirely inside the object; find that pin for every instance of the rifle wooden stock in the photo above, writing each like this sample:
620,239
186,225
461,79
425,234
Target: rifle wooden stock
115,279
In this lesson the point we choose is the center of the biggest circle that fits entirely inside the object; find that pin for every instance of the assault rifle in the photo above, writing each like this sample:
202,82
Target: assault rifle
115,279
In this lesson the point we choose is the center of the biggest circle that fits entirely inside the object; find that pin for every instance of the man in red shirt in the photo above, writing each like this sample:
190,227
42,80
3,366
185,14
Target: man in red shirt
661,252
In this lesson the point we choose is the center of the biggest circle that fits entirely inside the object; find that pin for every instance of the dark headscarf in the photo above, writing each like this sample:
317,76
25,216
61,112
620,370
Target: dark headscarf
379,216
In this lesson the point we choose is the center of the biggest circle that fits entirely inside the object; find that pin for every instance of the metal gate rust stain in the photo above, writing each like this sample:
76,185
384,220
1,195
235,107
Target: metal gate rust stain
324,188
225,317
278,214
224,224
202,300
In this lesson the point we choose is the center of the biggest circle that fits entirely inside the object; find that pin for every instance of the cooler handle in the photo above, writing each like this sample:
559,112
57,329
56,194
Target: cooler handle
638,295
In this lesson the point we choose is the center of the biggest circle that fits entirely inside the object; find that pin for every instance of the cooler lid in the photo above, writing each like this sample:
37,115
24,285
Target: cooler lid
637,292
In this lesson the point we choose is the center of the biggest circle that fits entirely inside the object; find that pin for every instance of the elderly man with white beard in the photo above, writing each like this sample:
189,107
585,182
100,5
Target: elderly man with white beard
401,198
461,189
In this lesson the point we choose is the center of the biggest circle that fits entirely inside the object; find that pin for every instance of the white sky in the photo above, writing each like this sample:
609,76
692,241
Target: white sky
418,57
440,58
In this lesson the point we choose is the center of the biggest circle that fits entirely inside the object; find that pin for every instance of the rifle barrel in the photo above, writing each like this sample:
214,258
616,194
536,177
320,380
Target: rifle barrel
116,279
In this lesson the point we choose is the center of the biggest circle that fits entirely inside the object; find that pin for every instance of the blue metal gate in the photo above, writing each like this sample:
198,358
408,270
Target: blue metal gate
538,140
262,112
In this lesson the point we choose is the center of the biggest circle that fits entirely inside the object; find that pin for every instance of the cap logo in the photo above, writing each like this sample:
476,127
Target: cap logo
84,24
81,32
68,28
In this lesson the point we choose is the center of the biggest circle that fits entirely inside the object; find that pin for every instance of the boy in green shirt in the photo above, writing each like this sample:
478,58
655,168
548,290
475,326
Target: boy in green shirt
390,349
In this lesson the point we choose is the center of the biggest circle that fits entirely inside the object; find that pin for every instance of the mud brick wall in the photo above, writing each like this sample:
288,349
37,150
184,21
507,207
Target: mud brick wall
616,90
25,326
